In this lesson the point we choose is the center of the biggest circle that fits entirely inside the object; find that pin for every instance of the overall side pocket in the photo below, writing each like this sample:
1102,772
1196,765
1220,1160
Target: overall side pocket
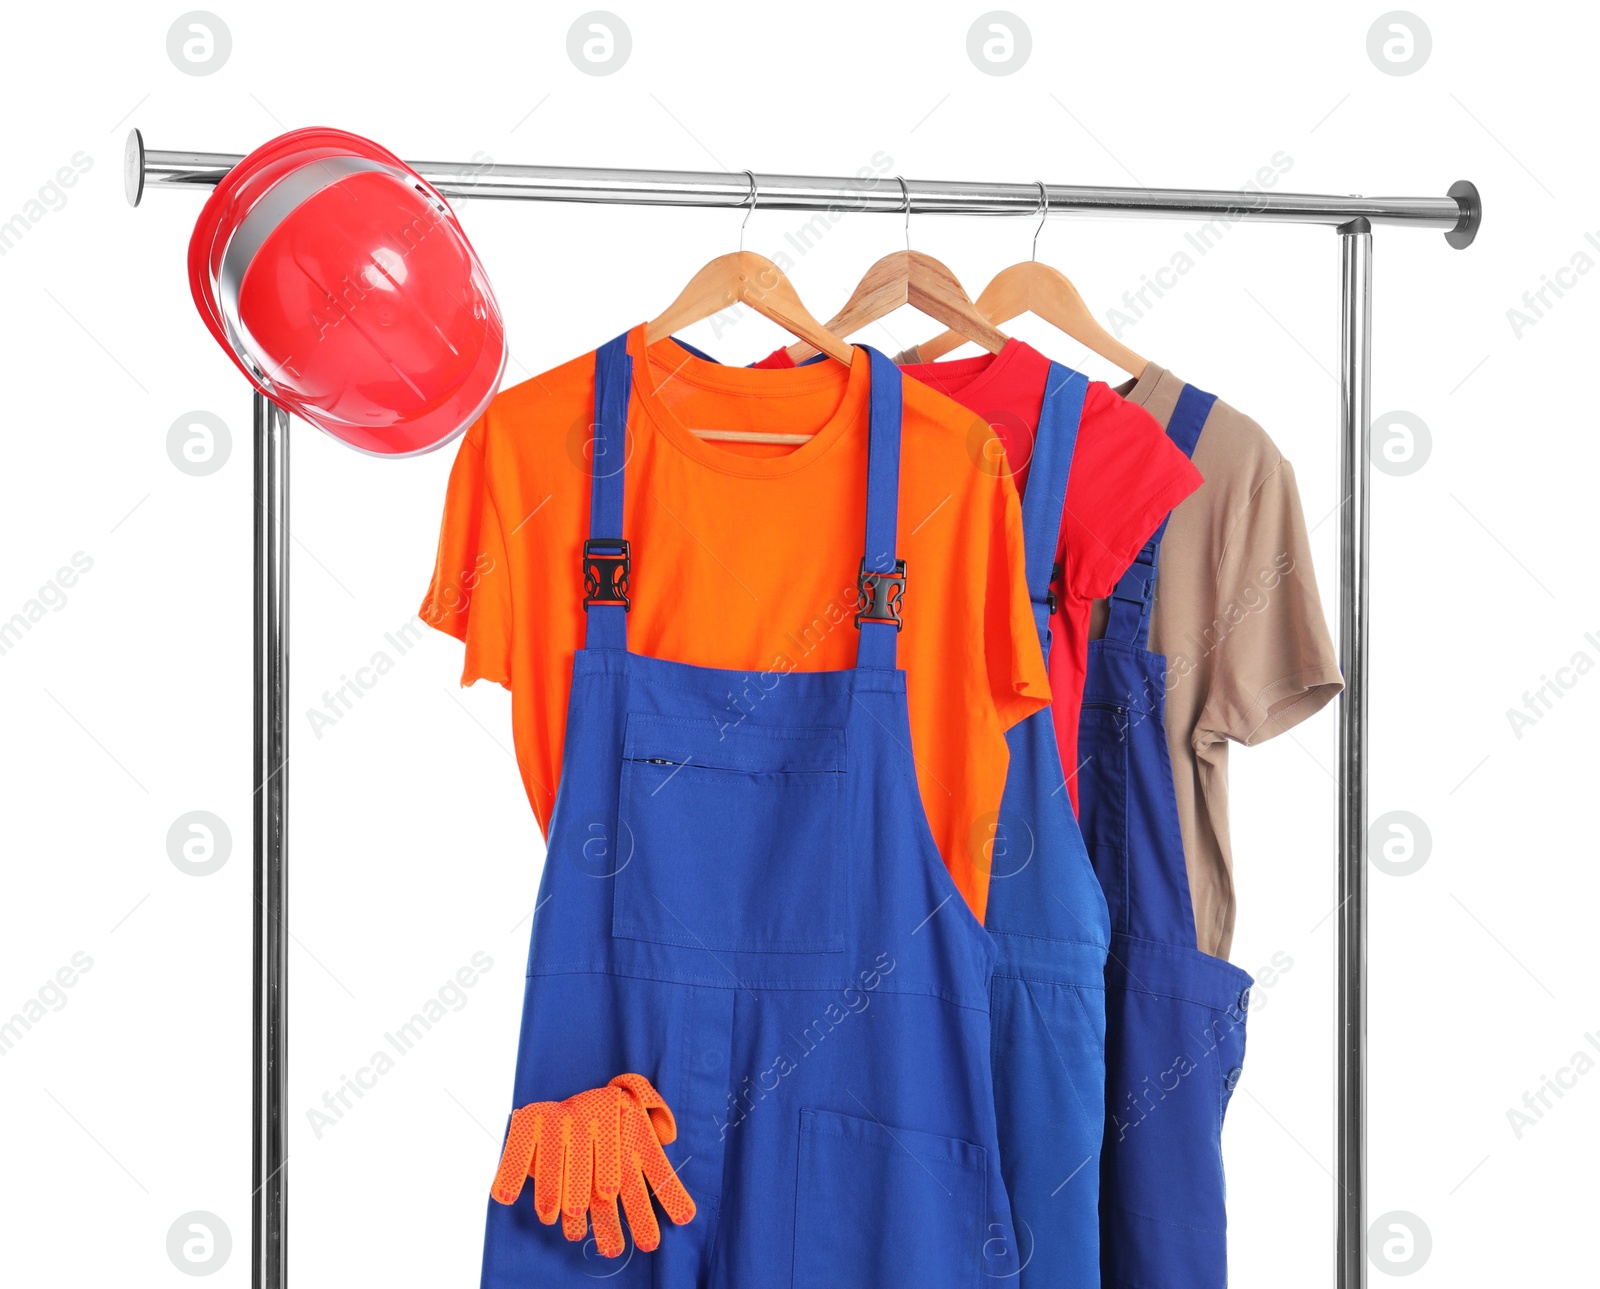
886,1206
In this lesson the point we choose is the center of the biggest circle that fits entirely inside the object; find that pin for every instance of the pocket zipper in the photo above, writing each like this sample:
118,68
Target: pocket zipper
690,762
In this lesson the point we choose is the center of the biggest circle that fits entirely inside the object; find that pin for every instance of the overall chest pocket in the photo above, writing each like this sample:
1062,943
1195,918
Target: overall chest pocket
735,835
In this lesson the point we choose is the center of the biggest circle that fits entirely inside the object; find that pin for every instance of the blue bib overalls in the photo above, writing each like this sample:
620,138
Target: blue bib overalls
1048,919
1175,1016
742,901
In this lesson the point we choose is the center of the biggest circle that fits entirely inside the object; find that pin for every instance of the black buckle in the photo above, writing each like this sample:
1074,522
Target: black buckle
1057,571
882,595
606,565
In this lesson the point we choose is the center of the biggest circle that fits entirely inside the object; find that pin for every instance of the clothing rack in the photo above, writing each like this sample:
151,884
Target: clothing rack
1458,214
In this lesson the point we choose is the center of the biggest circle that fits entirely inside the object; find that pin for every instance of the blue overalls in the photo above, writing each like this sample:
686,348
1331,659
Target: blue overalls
1048,919
1175,1016
742,901
1049,922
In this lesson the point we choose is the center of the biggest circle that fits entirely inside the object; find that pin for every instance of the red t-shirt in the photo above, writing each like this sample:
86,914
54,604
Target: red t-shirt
1126,475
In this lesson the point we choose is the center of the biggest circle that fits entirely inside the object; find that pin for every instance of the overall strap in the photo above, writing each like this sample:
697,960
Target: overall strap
882,580
687,347
606,561
1045,497
1135,593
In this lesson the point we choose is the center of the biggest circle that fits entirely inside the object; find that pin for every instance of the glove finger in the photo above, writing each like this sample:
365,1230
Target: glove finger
645,1094
664,1181
641,1216
516,1159
608,1146
608,1237
549,1165
663,1124
577,1182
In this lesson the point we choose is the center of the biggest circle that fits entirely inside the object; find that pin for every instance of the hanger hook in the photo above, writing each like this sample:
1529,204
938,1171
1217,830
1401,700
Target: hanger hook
749,209
1044,212
905,195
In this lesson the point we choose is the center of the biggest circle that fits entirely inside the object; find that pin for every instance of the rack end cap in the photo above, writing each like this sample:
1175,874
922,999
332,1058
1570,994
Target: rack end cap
1466,194
133,167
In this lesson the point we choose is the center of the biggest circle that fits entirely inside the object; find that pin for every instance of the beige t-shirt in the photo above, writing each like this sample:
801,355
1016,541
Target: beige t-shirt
1238,616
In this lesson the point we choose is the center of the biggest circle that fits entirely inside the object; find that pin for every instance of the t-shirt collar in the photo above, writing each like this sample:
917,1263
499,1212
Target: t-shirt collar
1143,389
965,378
749,383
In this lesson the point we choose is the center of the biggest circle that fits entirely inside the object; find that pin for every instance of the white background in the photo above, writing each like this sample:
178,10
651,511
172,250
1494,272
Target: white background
128,705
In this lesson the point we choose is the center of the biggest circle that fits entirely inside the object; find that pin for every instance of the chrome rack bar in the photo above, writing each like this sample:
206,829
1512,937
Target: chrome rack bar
1458,213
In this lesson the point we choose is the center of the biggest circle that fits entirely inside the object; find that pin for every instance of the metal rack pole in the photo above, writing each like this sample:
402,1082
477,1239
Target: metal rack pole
269,1152
1458,214
1355,480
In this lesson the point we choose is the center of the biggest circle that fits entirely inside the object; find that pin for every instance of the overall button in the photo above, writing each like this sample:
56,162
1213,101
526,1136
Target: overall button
1244,999
1232,1079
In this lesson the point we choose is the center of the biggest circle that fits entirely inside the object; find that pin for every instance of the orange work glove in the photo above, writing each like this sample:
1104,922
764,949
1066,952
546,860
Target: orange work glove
589,1149
647,1125
569,1148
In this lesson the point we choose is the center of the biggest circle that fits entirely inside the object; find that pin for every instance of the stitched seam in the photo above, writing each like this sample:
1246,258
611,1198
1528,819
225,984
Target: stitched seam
828,985
1048,939
1065,983
893,1147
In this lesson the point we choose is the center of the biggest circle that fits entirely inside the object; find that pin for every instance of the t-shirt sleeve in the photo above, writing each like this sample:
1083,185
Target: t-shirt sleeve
1017,676
1126,475
470,594
1276,664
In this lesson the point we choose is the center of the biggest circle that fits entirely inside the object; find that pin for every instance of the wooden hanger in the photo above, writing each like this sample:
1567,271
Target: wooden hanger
747,278
910,277
1047,293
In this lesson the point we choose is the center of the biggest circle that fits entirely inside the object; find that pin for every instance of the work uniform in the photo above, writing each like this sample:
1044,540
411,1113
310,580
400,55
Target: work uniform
1175,1016
743,902
1049,922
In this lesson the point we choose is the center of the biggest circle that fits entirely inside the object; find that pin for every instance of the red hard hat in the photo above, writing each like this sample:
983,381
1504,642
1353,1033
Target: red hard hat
342,286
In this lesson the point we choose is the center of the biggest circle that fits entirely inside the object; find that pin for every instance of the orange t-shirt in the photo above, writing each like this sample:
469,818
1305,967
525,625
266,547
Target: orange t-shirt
745,556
